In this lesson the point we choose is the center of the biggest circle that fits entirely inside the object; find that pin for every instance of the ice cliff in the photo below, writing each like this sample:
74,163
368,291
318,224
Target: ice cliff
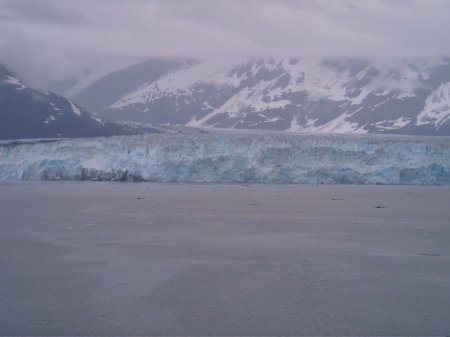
233,157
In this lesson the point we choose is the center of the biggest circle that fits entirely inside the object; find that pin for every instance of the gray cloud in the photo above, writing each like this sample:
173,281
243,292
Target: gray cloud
48,40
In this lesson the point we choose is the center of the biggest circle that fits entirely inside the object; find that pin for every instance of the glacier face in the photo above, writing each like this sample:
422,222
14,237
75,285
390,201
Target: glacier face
253,157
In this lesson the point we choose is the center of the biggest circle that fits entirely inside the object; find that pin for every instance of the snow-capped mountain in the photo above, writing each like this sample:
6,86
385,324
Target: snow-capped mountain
29,113
295,94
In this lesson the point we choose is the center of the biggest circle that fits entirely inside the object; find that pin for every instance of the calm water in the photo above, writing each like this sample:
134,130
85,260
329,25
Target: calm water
200,259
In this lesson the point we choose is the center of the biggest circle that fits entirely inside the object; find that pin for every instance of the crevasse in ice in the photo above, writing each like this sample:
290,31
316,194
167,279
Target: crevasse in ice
233,157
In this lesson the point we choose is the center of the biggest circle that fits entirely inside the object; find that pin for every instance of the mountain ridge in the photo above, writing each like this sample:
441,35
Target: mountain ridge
293,94
29,113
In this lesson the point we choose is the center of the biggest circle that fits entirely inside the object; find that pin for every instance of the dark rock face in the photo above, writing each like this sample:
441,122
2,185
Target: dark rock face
296,94
29,113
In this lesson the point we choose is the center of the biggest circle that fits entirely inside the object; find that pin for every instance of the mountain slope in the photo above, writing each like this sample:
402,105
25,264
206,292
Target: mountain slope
115,85
295,94
29,113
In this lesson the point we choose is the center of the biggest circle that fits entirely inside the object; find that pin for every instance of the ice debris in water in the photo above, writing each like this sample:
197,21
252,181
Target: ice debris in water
233,157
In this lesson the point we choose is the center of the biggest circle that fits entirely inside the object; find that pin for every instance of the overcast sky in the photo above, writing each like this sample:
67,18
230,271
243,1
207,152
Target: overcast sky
46,40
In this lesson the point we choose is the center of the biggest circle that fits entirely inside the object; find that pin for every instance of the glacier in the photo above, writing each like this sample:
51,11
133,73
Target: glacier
232,157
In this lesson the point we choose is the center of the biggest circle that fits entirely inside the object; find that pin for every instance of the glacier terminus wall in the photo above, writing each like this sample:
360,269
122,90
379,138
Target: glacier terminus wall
233,157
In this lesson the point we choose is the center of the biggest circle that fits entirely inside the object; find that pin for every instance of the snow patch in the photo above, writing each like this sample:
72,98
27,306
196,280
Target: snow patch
75,109
270,119
404,95
339,124
14,81
98,120
54,106
392,124
49,119
437,107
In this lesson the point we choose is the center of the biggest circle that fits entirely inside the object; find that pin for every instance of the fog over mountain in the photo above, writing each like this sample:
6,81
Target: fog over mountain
65,45
29,113
306,65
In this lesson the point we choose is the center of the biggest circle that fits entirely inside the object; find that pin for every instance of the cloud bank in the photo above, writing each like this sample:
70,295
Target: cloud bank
49,40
